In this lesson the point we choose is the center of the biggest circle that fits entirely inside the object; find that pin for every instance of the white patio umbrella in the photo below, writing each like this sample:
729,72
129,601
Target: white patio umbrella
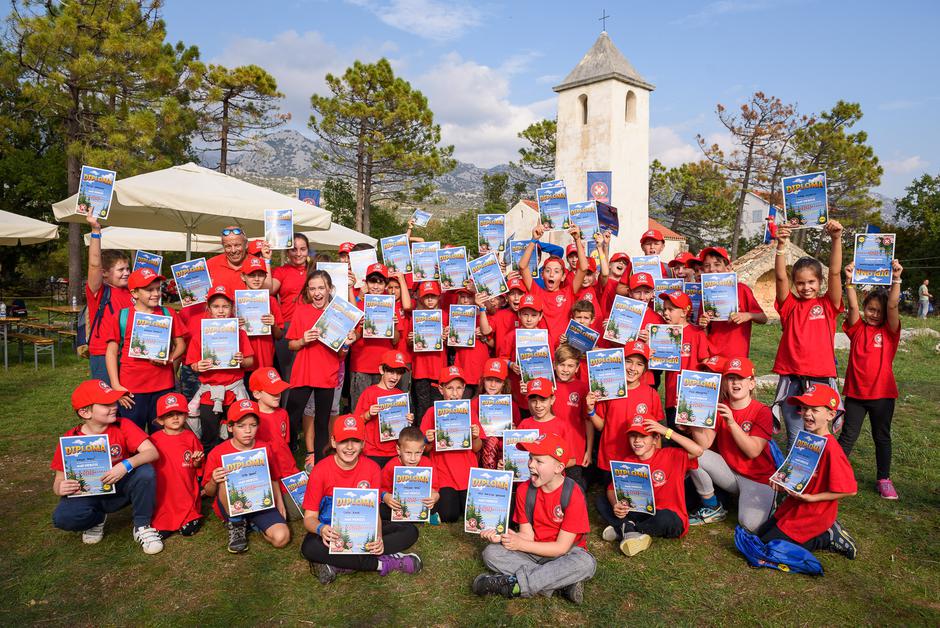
191,199
16,229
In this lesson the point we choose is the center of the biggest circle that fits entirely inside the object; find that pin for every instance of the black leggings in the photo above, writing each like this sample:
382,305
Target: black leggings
770,532
664,524
451,504
424,395
880,412
323,405
397,537
209,423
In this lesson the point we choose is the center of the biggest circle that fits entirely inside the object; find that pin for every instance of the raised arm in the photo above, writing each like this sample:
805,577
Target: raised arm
834,289
581,271
524,261
894,297
852,313
782,280
95,276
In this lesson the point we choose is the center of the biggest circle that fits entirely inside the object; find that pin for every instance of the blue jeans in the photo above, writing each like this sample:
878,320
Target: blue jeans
138,488
923,307
144,410
98,368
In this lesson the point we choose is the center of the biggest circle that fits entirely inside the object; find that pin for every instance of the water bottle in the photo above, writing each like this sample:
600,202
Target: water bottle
3,309
74,302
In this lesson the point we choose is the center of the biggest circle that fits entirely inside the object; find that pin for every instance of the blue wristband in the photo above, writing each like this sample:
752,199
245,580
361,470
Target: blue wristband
320,527
96,236
127,465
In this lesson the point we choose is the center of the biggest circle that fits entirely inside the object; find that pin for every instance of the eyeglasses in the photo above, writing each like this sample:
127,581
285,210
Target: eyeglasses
232,231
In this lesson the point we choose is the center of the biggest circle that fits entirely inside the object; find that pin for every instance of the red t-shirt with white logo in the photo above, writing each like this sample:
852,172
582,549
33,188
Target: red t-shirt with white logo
374,445
618,416
263,346
177,501
471,360
695,350
366,353
124,437
504,324
870,373
214,461
120,298
570,408
802,521
549,518
273,426
223,274
215,377
388,473
755,420
292,283
327,475
734,340
315,364
668,468
806,346
452,468
556,310
559,426
139,375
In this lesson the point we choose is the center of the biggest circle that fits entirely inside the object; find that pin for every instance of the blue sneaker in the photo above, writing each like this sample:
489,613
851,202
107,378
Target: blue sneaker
706,515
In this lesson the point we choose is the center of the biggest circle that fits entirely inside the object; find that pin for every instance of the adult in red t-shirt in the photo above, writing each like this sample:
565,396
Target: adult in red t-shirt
105,290
226,268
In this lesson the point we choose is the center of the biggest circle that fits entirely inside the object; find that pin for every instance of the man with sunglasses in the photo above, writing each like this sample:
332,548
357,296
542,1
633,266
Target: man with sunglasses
226,267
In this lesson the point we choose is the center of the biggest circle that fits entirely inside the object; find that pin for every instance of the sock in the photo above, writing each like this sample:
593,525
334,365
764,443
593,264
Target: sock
516,590
710,502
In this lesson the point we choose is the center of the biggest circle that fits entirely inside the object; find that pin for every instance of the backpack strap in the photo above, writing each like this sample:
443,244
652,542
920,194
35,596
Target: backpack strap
567,488
103,302
122,321
530,495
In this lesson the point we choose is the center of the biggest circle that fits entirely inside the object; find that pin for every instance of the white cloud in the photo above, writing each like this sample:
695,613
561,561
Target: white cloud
670,148
906,165
425,18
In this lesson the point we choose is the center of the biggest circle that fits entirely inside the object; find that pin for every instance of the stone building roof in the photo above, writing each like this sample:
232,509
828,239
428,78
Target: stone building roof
603,61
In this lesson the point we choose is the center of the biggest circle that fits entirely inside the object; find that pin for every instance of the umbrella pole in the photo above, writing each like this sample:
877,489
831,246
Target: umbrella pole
189,245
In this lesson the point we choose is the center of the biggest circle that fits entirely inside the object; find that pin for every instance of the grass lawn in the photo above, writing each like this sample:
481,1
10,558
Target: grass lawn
49,577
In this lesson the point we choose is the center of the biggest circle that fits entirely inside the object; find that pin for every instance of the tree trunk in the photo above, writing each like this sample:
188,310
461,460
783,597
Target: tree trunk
223,135
367,195
677,213
360,181
74,173
736,234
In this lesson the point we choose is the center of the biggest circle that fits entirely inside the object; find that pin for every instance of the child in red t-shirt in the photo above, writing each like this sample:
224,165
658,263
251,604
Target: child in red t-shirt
549,552
132,475
410,450
345,467
737,451
734,335
530,317
493,381
806,354
677,307
809,518
641,288
504,322
472,359
541,401
426,365
254,274
391,367
366,353
668,467
584,312
870,388
266,387
181,455
570,406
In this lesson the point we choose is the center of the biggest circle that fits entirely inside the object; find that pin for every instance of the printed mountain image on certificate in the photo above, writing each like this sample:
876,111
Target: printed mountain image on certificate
85,459
805,202
338,319
396,253
491,233
553,207
535,361
720,295
581,337
279,228
495,413
585,216
665,347
874,253
515,459
393,415
452,264
650,264
488,496
797,470
296,487
428,329
421,218
143,259
220,342
487,275
251,305
248,483
626,316
95,192
424,261
698,399
606,374
410,487
462,327
192,281
355,519
379,316
633,486
664,285
150,336
516,249
452,425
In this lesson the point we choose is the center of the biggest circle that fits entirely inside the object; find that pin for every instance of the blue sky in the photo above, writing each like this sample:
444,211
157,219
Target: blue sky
488,67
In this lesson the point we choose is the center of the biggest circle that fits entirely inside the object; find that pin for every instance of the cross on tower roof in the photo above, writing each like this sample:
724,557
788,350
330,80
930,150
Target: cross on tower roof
603,18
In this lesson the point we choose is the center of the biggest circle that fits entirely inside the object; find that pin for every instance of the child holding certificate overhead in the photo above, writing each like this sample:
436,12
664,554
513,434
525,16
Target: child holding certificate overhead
131,479
549,552
809,518
732,335
345,467
381,446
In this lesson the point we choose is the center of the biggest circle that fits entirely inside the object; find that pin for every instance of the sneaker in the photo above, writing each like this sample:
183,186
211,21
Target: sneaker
434,519
842,542
94,534
165,534
634,542
886,489
705,515
610,534
149,539
574,593
237,536
405,563
490,584
324,573
190,528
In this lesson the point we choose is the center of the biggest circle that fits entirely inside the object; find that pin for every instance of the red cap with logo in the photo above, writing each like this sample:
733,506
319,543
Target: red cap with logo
346,247
255,247
720,251
641,279
220,291
515,284
496,367
429,287
715,364
94,391
377,269
637,347
539,387
678,298
347,426
682,259
739,366
171,402
143,277
240,409
591,265
636,425
394,359
253,264
817,395
531,302
267,379
652,234
617,257
550,444
449,374
571,249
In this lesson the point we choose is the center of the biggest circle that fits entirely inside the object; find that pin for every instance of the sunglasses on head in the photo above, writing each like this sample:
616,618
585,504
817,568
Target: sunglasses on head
232,231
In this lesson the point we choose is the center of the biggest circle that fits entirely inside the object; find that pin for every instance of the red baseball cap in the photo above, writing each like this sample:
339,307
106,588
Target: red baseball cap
267,380
531,302
637,347
715,364
429,287
720,251
220,290
677,298
377,269
253,264
94,391
549,444
682,259
817,395
255,246
346,247
641,279
695,260
240,409
539,387
347,426
738,366
571,248
143,277
516,284
171,402
394,359
449,374
495,367
636,425
616,257
592,265
652,234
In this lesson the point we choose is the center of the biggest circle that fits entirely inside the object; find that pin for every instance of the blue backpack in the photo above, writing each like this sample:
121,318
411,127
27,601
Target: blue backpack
778,554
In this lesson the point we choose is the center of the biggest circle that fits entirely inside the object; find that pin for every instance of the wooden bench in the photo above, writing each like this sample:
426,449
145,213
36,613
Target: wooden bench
41,344
67,334
42,327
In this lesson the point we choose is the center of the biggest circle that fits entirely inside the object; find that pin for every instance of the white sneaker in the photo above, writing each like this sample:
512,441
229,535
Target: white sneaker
609,533
149,540
94,534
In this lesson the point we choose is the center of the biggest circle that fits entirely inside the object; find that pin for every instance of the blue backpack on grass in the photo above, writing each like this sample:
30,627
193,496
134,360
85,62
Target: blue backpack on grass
778,554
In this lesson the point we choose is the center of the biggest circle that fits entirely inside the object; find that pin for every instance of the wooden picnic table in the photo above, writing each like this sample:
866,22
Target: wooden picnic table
4,323
63,310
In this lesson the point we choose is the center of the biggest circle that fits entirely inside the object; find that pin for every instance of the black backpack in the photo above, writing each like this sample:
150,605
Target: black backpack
532,492
88,328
